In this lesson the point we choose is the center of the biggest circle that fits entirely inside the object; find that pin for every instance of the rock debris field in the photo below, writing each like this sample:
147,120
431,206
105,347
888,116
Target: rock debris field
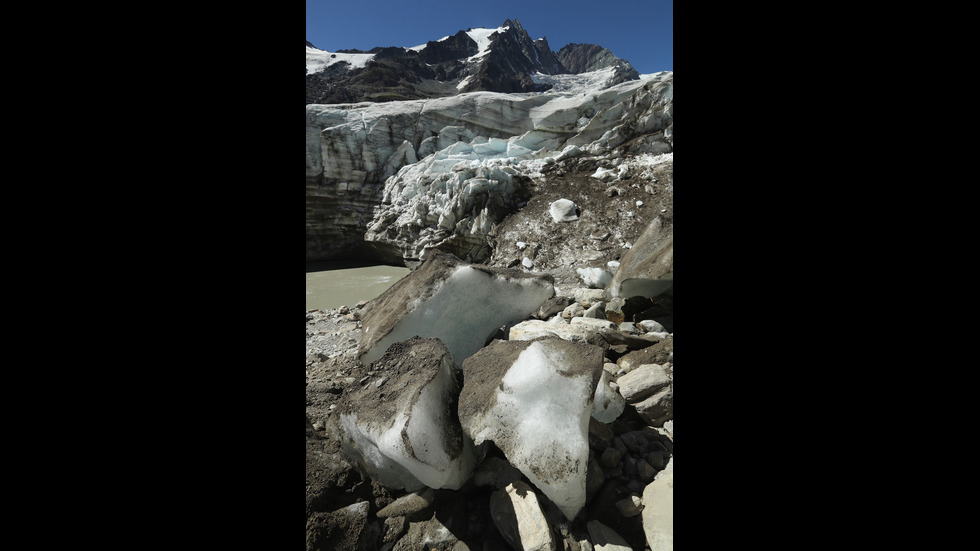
483,408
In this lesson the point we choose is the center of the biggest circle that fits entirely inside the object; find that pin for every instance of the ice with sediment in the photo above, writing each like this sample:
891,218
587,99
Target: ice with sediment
404,429
463,307
539,412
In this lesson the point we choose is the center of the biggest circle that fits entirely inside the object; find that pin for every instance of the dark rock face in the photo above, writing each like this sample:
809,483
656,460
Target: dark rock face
513,57
456,47
582,58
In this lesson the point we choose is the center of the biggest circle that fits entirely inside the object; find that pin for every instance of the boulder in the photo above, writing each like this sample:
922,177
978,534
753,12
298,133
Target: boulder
649,388
647,269
642,382
459,303
535,329
658,510
534,400
516,512
401,426
658,408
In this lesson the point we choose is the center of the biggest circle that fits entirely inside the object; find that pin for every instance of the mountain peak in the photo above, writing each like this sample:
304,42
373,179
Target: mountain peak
501,59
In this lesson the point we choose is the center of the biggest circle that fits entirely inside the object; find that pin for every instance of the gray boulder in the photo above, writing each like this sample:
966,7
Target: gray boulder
642,382
658,510
650,389
516,512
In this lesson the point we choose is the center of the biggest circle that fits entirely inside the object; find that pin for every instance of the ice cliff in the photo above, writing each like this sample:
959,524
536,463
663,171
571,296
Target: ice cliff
392,181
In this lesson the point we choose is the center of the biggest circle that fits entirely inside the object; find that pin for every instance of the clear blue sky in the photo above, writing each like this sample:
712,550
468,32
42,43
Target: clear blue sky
639,31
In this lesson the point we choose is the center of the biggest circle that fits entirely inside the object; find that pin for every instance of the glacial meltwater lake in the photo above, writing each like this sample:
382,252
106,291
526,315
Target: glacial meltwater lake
332,284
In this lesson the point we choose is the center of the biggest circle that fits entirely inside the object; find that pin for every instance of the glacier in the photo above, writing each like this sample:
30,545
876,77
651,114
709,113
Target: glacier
422,174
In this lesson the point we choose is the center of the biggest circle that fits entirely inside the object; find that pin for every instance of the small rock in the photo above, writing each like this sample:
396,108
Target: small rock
521,245
629,327
651,326
393,527
642,382
645,471
573,310
596,311
629,507
610,457
527,263
409,504
516,512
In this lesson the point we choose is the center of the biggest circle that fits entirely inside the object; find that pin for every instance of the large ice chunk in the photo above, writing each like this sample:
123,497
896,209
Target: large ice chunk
534,401
402,426
459,303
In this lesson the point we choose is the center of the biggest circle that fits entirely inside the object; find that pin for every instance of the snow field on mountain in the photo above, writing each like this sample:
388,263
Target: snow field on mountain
318,60
480,35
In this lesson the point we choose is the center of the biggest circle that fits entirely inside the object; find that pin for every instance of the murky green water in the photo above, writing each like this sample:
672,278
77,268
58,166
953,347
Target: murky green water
345,283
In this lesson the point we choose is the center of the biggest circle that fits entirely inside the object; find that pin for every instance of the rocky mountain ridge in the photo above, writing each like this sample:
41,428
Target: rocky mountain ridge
504,59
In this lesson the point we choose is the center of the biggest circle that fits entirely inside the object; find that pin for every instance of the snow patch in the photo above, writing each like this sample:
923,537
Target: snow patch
576,84
318,60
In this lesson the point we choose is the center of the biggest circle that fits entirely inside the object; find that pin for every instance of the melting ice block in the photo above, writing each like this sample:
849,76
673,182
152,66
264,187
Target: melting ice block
459,303
534,401
563,210
647,269
402,426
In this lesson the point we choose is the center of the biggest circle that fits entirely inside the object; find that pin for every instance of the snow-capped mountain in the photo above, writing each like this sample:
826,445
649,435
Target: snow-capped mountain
502,59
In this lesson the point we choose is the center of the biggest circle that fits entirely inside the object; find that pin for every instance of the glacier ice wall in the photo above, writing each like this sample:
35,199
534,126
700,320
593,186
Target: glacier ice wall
407,177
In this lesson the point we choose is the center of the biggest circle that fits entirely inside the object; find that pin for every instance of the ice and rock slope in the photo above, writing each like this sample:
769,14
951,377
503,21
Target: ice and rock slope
442,172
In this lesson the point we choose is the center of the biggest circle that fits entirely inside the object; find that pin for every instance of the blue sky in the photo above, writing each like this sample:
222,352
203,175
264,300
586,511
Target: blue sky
639,31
